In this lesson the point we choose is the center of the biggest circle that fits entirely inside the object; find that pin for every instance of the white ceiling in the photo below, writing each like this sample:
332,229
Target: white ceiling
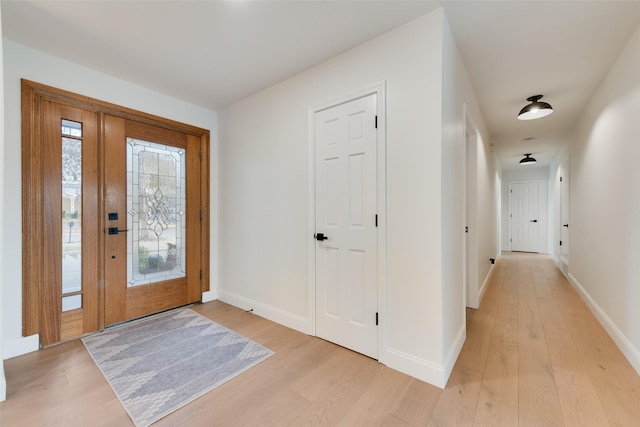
213,53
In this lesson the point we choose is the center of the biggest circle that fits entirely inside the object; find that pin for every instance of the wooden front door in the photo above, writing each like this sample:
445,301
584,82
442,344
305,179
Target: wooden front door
69,236
152,214
115,206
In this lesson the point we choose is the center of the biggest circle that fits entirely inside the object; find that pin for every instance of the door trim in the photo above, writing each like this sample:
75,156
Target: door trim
565,187
33,95
470,253
379,89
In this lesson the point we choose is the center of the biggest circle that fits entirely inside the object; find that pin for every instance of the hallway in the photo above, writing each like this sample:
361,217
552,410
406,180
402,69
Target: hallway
534,356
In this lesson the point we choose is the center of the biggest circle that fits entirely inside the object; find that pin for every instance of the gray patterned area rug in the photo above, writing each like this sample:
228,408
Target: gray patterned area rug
160,363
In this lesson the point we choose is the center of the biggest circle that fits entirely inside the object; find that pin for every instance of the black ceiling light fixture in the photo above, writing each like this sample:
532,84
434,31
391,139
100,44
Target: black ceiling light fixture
536,109
528,160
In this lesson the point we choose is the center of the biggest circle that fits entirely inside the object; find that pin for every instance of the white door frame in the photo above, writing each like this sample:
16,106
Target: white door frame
565,211
470,245
379,89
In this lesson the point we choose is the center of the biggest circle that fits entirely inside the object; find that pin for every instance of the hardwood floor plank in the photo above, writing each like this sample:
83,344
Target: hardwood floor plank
458,401
281,411
534,356
498,400
378,399
317,381
332,405
578,398
392,421
417,403
612,384
538,399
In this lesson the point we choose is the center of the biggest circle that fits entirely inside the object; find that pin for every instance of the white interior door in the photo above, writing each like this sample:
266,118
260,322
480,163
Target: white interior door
523,213
564,214
346,247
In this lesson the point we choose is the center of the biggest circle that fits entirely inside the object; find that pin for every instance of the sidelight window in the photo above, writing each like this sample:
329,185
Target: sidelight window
71,215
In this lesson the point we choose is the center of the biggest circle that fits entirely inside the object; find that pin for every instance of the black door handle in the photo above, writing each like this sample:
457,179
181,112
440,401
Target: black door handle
534,220
566,225
116,230
320,237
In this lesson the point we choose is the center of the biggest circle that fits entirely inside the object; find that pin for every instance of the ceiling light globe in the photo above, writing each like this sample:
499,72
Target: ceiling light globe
528,160
536,109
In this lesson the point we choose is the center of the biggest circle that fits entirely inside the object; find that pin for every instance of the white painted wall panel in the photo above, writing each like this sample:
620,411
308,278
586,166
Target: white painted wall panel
264,151
3,382
605,202
458,93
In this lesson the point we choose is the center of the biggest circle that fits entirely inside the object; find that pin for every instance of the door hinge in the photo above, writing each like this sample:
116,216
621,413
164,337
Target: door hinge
376,318
560,242
376,220
466,228
560,179
200,154
376,122
201,215
201,274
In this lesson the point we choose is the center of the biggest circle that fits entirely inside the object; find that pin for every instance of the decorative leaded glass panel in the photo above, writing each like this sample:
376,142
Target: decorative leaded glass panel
156,208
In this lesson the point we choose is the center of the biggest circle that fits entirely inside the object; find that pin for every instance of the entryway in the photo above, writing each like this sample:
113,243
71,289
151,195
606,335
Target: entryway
115,205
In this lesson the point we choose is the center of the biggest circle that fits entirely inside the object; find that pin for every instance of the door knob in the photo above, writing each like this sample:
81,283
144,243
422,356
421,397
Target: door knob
320,237
566,225
534,220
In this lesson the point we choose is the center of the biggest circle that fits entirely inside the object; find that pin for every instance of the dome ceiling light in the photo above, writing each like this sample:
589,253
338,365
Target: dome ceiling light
536,109
528,160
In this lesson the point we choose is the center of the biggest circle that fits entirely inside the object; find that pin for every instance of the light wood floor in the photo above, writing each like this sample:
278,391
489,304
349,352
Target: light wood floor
534,356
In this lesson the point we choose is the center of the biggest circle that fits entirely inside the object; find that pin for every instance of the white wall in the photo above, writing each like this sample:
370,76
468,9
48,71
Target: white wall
605,202
23,62
528,173
460,106
555,205
264,192
3,383
487,212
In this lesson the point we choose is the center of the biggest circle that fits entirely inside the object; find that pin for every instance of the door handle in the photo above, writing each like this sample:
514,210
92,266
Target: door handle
116,230
534,220
566,225
320,237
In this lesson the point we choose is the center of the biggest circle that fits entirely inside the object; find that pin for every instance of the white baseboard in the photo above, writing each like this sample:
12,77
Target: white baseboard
630,352
454,352
21,346
562,266
290,320
211,295
416,367
3,383
487,279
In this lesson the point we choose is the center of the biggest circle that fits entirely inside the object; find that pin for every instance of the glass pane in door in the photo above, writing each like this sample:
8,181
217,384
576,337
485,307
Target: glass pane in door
156,208
71,215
